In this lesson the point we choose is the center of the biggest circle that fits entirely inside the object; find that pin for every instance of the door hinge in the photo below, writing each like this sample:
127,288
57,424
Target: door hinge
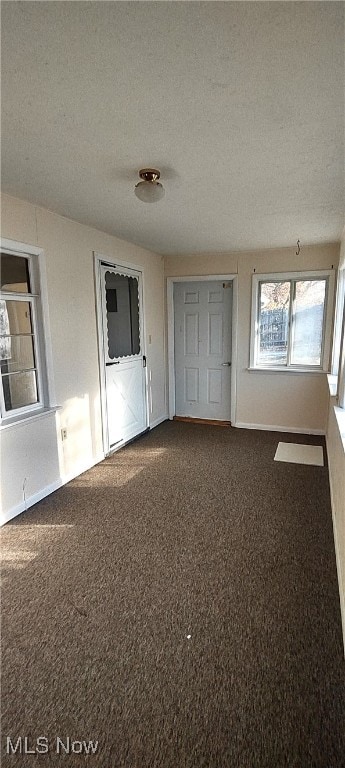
144,361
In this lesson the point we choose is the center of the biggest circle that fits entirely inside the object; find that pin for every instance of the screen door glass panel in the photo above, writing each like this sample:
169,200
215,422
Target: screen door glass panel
122,305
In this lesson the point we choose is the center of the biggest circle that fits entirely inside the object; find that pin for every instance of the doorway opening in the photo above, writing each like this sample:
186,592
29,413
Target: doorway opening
121,353
202,348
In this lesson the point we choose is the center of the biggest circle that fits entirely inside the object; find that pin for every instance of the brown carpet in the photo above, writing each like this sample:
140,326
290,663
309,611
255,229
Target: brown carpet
191,530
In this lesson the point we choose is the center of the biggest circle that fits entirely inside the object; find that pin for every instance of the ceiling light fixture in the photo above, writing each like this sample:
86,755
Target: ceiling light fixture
149,190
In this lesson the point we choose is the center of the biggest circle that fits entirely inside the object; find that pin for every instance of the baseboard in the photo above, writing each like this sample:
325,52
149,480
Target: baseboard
156,422
24,505
275,428
337,556
5,517
88,465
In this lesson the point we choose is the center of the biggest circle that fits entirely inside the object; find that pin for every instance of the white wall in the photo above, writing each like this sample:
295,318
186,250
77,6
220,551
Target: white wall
336,461
289,401
33,453
335,439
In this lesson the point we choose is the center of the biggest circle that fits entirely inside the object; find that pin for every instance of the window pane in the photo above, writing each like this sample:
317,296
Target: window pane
308,322
111,299
274,299
14,271
20,389
16,353
15,317
122,302
134,307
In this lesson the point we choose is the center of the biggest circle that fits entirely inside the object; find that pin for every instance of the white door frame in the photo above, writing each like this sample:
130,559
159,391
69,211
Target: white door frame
171,334
100,258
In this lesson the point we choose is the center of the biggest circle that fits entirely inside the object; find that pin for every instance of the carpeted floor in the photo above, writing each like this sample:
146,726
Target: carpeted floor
178,603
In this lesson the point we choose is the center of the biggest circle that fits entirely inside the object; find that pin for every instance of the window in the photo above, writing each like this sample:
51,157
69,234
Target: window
22,370
122,305
291,321
338,321
341,365
339,341
338,353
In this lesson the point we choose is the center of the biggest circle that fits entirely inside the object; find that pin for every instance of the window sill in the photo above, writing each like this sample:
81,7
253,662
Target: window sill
272,369
332,384
17,421
338,412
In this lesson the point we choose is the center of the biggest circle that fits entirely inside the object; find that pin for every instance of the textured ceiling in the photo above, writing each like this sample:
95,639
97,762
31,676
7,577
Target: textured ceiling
240,105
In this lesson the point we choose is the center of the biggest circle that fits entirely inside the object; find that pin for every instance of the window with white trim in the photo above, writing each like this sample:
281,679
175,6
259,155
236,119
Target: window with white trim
338,321
22,365
292,321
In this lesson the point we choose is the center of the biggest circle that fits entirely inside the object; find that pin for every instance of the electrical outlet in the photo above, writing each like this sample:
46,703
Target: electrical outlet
64,434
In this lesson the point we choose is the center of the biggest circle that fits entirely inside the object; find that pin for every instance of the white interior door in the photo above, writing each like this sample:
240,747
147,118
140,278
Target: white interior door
124,362
203,313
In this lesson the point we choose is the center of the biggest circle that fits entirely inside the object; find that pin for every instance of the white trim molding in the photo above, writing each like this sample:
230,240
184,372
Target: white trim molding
276,428
334,480
33,416
20,248
44,352
5,517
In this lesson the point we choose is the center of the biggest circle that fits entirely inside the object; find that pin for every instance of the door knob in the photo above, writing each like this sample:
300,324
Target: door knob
228,364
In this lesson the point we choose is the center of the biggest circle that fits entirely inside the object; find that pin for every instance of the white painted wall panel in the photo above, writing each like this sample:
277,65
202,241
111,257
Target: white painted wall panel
336,462
29,462
68,248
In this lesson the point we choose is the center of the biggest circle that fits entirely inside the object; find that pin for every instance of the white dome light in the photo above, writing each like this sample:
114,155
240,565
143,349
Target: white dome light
150,190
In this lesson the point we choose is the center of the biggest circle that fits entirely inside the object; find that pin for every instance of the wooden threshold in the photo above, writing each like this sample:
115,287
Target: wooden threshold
212,422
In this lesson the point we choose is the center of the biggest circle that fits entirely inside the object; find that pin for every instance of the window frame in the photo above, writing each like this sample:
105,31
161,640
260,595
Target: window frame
292,277
35,298
338,322
341,366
